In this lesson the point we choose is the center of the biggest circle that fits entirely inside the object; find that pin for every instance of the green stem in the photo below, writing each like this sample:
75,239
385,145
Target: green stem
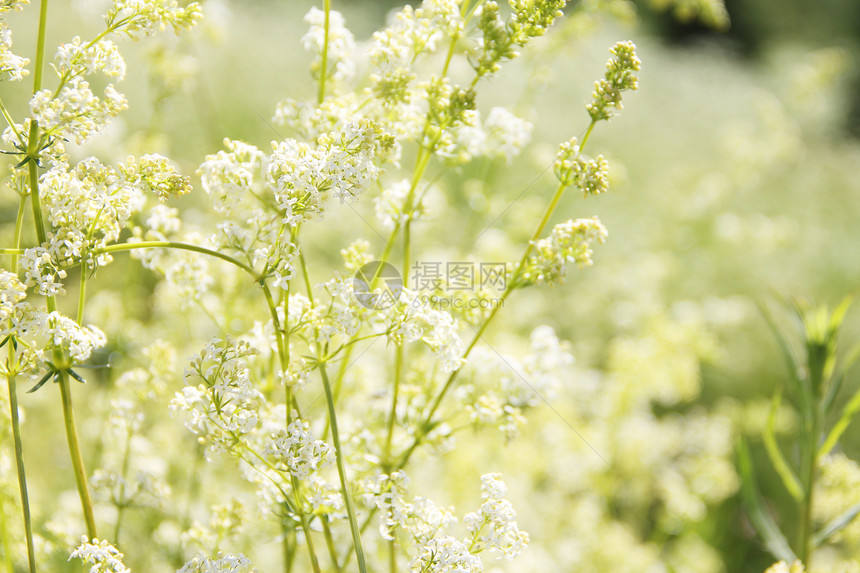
40,46
810,464
77,459
341,470
117,247
324,55
305,527
329,541
13,407
11,122
19,462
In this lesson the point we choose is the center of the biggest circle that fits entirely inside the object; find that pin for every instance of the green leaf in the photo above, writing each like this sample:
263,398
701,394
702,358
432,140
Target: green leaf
836,383
836,525
791,360
780,464
762,520
76,376
851,408
41,382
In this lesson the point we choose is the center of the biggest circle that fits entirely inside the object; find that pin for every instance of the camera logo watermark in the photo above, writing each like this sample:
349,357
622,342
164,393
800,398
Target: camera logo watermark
377,285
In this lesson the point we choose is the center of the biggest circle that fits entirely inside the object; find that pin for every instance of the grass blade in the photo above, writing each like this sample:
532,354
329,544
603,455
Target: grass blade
762,521
780,464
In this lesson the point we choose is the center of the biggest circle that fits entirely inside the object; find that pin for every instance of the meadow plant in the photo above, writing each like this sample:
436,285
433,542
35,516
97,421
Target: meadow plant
334,488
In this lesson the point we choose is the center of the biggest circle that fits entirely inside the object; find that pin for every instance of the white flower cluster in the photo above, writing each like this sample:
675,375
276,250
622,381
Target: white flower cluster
620,76
303,176
499,39
12,292
156,174
341,45
569,242
76,112
230,563
12,66
391,204
446,554
494,525
78,59
224,405
506,385
572,168
140,18
229,176
105,558
411,32
295,449
415,319
79,341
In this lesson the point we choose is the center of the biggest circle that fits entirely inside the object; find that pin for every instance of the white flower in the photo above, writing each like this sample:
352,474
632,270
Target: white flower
446,555
10,63
295,449
104,557
76,58
507,134
341,44
230,563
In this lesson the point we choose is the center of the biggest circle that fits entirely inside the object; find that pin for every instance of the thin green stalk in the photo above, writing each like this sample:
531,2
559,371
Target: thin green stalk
117,247
341,471
68,413
805,533
329,541
8,117
392,556
40,46
120,503
19,462
77,459
324,55
305,526
13,407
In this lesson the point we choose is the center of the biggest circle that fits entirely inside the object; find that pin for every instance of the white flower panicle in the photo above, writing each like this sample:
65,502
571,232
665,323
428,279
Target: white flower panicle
507,134
415,319
297,451
156,174
411,33
76,112
494,525
12,66
572,168
569,242
230,563
446,555
390,205
139,18
78,59
12,292
340,165
620,76
500,39
79,341
228,176
341,45
224,405
104,557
